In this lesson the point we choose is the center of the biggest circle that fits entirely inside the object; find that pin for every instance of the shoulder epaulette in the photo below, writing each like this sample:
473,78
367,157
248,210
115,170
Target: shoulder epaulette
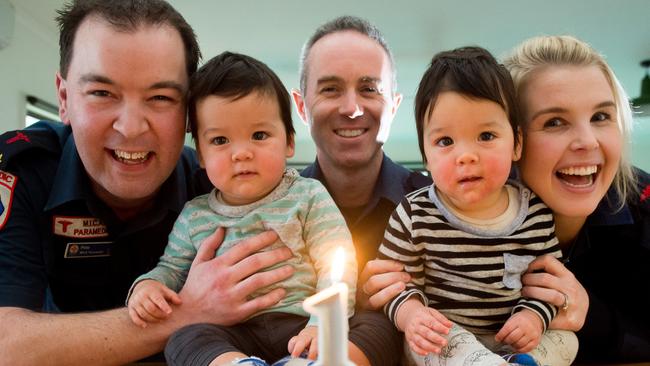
44,135
641,199
643,181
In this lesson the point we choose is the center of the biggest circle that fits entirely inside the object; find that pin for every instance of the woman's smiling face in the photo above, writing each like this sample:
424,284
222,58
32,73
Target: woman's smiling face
572,143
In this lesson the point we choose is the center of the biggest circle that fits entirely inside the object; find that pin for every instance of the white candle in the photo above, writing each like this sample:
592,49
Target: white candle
330,306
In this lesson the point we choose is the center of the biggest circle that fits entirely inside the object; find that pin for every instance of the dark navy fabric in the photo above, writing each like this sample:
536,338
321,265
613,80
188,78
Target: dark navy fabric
611,259
393,184
77,273
267,335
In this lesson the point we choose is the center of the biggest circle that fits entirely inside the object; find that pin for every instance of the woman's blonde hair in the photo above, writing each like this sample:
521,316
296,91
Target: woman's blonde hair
540,52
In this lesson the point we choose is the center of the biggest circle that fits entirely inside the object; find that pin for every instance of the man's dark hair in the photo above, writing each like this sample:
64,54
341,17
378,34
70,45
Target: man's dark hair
471,71
233,75
340,24
126,16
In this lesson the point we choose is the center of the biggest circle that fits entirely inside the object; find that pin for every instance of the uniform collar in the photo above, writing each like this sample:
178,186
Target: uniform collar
389,185
392,179
175,190
608,213
72,183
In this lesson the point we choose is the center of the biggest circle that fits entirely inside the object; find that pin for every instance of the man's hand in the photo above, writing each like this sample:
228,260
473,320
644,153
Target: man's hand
380,281
149,302
306,339
217,289
523,331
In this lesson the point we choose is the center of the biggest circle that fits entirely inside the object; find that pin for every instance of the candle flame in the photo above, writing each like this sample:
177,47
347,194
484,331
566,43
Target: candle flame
337,265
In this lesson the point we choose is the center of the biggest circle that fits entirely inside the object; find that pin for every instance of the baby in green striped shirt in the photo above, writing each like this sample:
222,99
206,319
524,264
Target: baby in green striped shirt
240,119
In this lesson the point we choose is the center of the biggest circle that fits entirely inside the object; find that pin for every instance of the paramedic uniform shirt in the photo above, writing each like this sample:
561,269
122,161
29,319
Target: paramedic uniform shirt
55,233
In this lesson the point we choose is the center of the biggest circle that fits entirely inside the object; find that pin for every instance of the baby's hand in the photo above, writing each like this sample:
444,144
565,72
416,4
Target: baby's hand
307,338
425,329
149,302
522,331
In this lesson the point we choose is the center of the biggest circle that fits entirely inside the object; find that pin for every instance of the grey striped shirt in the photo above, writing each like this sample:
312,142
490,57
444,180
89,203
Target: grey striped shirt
470,275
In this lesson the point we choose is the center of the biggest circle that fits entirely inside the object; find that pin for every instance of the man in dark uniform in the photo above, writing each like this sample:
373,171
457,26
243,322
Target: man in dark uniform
349,106
347,98
88,204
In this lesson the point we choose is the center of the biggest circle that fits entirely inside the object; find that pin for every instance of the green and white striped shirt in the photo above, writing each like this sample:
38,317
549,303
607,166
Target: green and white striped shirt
299,210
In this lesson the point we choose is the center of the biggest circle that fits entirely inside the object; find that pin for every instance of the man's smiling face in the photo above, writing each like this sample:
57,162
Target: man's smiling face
124,96
348,101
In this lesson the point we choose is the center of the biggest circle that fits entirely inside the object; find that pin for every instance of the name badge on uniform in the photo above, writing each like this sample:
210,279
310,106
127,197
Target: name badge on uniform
79,227
88,250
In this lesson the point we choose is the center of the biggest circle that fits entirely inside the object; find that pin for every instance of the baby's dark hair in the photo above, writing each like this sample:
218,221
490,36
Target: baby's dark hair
233,75
471,71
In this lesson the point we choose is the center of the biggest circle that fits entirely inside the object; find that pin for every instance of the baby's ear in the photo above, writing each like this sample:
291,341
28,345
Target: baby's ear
519,140
291,146
200,157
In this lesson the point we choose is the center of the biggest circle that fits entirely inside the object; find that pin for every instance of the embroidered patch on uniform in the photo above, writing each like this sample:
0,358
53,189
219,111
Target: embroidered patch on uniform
88,250
19,137
646,193
7,185
79,227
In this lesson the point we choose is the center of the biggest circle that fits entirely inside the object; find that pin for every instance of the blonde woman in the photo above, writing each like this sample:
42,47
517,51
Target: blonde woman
576,121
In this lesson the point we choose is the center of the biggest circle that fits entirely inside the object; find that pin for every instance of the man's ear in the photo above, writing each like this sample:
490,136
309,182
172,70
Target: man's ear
397,100
62,96
299,103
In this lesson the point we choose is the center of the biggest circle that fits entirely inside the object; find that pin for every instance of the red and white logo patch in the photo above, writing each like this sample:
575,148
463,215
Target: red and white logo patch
7,185
79,227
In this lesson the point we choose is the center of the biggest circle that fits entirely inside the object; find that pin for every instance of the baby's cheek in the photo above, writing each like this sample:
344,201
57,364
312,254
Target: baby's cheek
442,171
497,166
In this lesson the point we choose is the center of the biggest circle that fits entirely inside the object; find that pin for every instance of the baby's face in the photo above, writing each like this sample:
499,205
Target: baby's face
243,145
469,146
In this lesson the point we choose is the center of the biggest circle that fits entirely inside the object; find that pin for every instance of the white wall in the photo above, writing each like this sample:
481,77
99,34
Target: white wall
640,151
27,67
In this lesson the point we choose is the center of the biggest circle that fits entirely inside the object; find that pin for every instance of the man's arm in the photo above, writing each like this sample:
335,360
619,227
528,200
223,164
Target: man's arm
215,292
108,337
